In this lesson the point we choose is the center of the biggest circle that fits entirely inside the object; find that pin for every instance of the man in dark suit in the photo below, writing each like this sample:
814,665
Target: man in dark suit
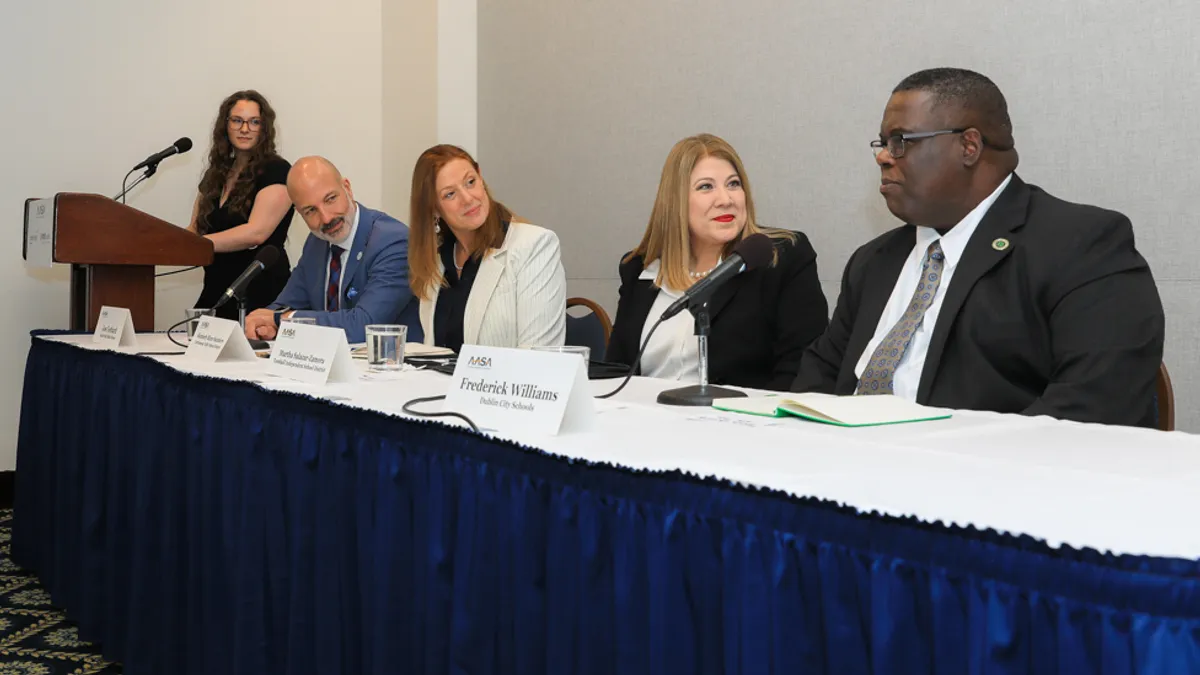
995,295
353,271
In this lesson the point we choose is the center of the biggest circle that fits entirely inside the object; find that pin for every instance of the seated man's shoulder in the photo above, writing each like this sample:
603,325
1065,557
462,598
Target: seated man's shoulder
384,228
903,236
1054,219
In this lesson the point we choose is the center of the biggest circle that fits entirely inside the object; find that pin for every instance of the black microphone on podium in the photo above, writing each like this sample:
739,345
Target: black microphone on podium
265,259
177,148
150,164
751,253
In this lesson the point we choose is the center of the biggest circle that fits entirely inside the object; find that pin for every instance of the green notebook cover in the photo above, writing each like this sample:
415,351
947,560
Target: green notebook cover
842,411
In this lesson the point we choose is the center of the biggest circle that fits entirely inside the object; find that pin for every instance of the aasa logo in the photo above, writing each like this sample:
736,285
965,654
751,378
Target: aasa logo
288,332
204,325
483,362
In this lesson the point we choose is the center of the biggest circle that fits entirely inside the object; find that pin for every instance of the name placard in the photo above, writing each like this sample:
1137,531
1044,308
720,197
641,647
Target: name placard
39,233
313,354
115,328
512,390
218,339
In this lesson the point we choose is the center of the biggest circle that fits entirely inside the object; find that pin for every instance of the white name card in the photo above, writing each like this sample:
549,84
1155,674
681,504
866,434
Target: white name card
115,328
514,390
218,339
312,354
39,233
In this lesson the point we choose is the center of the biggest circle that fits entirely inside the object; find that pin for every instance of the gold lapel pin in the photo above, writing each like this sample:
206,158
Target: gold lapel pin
1000,244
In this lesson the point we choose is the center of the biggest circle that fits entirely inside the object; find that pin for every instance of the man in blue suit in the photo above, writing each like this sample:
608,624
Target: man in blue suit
354,267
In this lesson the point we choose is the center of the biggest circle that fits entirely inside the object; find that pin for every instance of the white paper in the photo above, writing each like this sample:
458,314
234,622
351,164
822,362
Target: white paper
312,354
39,233
115,328
859,410
520,390
218,339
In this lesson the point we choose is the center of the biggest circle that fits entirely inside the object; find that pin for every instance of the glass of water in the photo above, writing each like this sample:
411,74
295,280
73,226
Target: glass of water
193,315
585,352
385,346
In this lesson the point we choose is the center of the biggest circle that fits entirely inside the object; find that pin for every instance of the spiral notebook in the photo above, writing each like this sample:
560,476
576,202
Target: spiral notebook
842,411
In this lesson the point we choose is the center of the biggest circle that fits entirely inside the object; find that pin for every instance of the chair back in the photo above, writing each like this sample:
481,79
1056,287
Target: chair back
1164,395
591,329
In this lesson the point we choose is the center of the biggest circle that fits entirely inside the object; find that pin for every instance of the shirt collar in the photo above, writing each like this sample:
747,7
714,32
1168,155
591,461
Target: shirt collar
651,271
955,241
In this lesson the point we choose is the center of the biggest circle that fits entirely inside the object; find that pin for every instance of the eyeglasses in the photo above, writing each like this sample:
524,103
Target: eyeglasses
238,123
895,144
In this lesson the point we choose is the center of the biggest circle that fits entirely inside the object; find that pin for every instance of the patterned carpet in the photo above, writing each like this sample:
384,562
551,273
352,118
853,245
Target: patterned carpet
36,638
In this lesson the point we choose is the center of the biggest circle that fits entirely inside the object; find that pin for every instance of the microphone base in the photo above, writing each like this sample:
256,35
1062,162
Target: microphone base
697,395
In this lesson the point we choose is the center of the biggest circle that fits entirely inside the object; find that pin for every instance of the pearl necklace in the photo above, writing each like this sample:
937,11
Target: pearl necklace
701,275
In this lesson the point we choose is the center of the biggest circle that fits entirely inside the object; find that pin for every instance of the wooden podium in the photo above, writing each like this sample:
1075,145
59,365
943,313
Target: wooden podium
112,249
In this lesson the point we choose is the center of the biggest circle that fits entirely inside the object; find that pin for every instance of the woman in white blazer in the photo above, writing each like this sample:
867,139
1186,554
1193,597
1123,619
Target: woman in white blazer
483,277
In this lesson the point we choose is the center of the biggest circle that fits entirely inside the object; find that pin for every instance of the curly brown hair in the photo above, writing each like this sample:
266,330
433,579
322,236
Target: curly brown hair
221,157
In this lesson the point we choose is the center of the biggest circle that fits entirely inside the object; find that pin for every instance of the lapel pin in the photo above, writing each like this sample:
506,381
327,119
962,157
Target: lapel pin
1000,244
359,256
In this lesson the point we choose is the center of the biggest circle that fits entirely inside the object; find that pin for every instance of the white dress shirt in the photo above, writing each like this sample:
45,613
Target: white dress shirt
347,244
674,351
908,372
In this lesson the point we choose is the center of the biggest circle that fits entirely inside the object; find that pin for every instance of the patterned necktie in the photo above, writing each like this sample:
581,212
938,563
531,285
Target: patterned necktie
335,278
881,369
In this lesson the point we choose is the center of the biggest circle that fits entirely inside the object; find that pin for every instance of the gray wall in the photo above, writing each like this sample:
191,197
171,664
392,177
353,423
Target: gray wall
579,103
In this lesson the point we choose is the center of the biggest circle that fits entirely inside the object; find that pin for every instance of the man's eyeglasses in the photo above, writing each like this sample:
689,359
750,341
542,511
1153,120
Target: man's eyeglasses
238,123
895,145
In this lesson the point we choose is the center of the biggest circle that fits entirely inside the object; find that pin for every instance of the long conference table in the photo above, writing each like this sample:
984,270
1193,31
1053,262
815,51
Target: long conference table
211,518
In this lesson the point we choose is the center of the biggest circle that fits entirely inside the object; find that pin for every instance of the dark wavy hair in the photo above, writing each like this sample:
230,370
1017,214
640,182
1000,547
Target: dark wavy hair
221,157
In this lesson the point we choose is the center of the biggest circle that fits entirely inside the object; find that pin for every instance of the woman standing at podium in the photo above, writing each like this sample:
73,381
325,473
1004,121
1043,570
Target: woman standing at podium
243,202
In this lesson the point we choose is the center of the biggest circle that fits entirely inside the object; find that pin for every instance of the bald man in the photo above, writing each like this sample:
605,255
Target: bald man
354,267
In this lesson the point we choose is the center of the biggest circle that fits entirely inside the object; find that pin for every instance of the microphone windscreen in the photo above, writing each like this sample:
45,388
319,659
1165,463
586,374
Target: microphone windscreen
183,145
756,251
268,256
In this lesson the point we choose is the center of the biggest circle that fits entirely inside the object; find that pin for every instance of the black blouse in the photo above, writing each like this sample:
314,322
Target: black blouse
452,300
226,267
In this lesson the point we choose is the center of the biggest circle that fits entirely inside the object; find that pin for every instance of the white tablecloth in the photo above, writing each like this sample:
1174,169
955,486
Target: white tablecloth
1115,489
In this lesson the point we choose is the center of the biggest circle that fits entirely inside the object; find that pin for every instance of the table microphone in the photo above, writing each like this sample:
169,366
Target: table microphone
266,258
753,252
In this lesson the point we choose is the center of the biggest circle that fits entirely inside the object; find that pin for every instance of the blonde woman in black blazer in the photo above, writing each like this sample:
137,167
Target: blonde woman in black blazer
762,320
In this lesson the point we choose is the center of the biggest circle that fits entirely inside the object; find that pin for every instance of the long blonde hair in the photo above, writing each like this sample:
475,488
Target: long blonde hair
667,234
423,240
